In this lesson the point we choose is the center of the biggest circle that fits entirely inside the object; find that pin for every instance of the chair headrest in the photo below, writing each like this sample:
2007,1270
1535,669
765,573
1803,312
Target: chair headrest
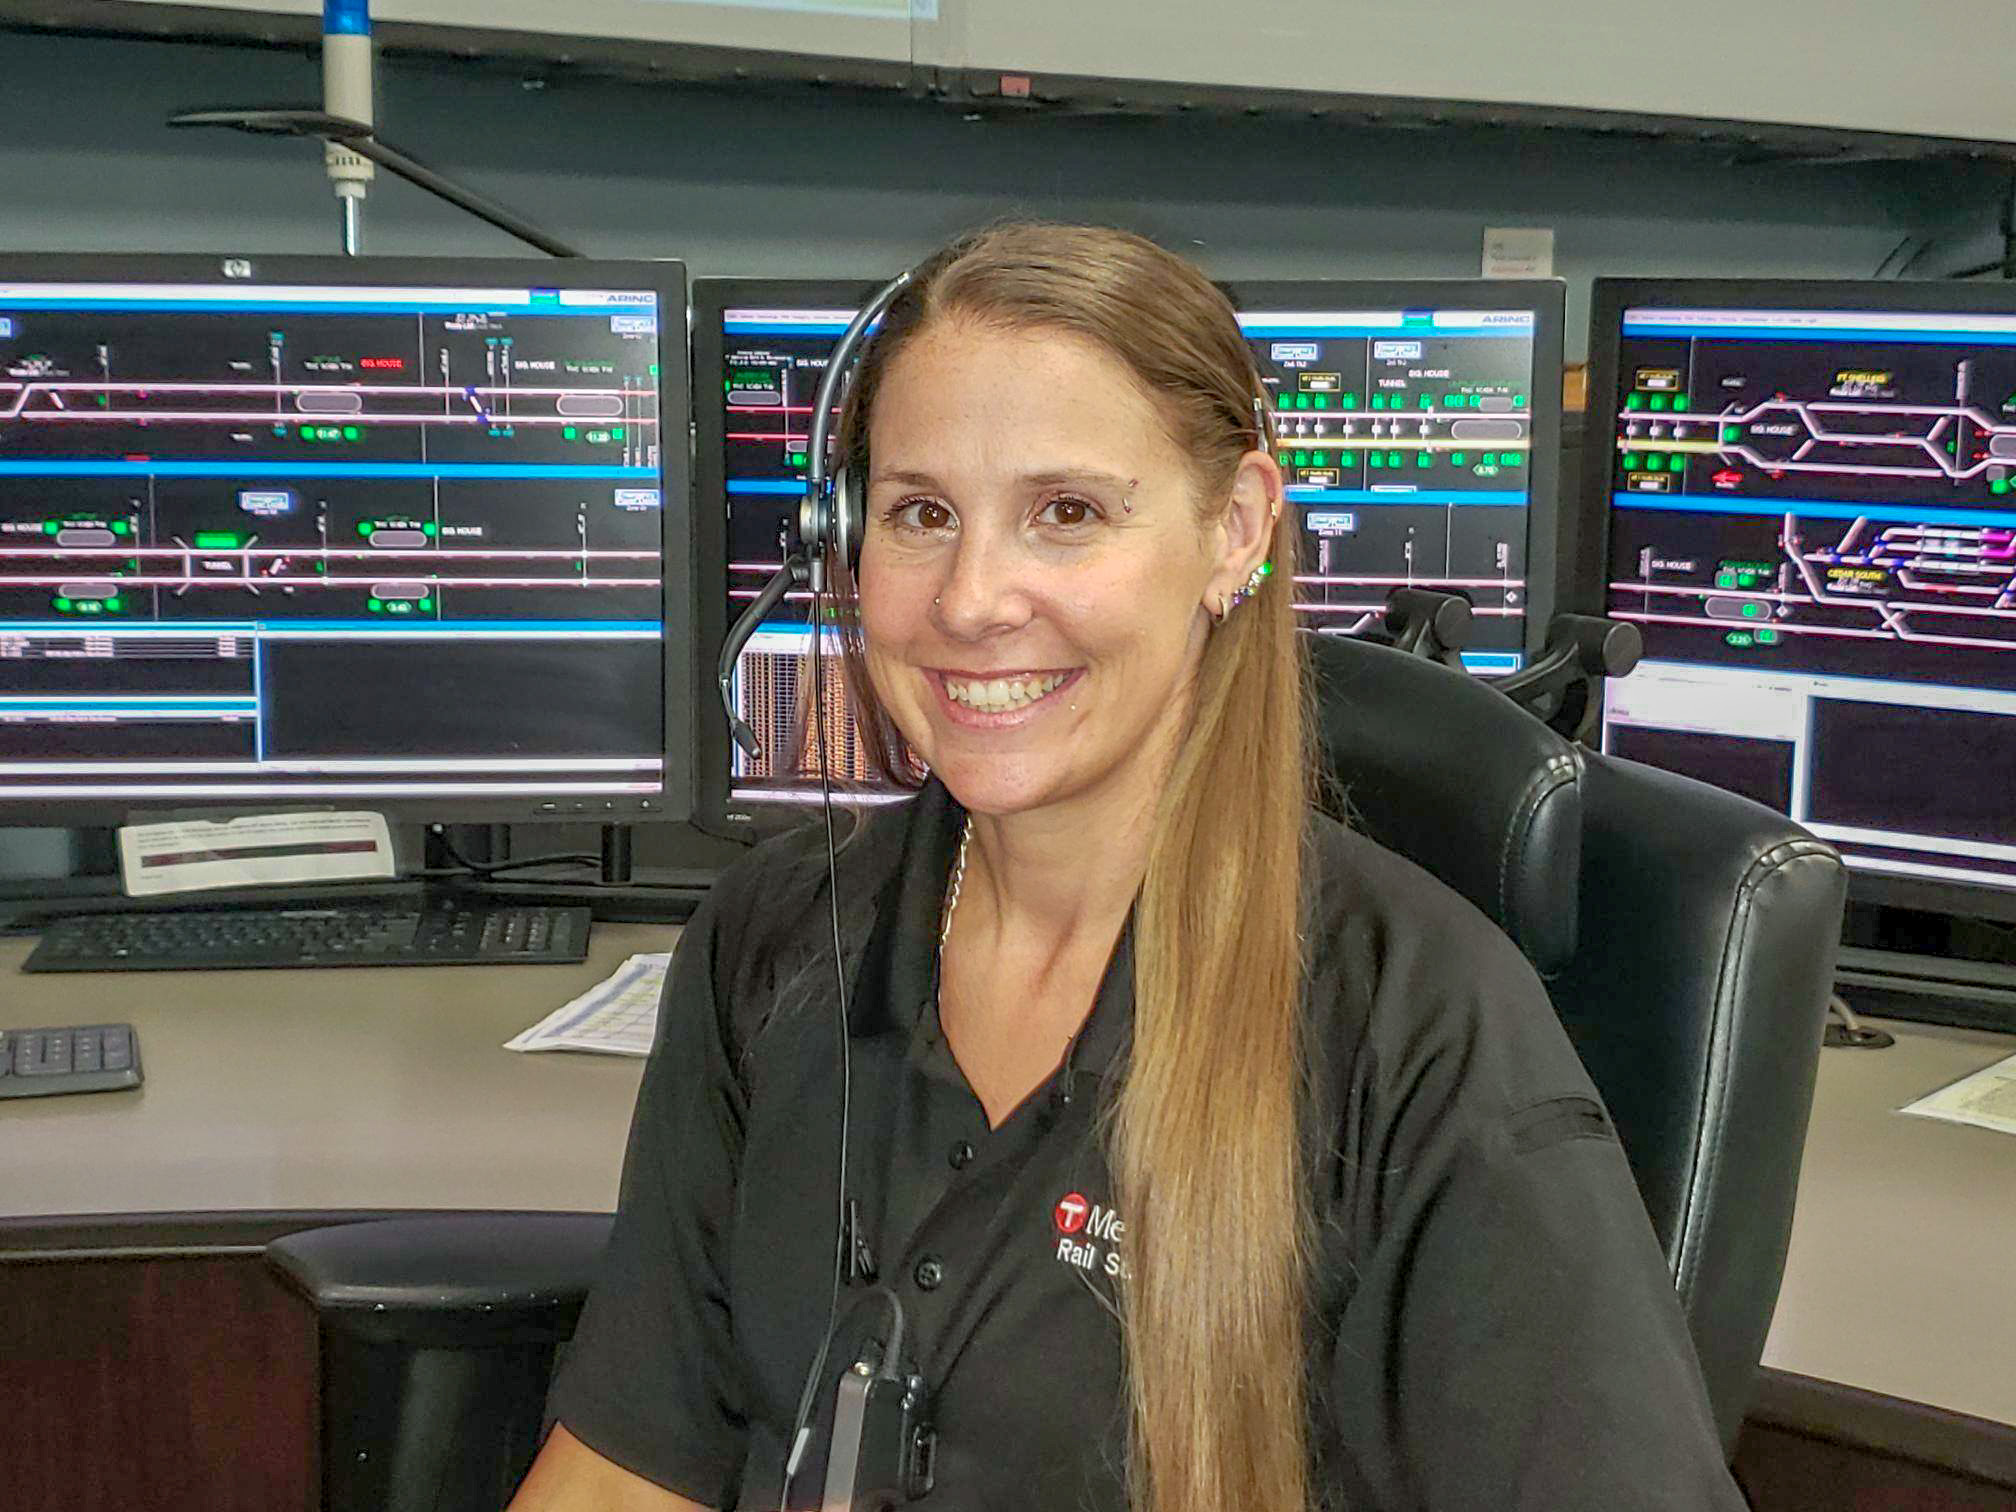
1434,764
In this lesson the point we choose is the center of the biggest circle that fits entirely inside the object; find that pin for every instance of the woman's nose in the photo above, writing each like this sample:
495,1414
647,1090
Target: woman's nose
982,592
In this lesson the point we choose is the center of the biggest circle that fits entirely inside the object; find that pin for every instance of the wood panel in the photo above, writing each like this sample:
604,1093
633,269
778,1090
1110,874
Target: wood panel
170,1384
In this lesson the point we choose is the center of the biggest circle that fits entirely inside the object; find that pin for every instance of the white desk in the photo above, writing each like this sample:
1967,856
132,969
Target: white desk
1902,1273
322,1091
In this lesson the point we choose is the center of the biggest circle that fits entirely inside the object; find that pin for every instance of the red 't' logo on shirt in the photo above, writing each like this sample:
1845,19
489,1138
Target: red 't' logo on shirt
1070,1214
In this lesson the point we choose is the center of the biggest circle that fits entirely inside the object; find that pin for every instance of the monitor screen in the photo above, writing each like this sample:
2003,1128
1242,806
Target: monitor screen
306,531
1811,520
1418,425
1410,433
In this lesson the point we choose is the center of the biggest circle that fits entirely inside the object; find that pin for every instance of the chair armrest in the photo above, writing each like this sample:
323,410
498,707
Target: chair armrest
458,1280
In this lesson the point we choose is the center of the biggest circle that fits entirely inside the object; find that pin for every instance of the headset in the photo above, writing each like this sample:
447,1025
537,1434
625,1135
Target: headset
883,1445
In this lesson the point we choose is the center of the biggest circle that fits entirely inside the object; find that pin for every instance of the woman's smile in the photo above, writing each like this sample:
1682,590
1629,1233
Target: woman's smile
996,700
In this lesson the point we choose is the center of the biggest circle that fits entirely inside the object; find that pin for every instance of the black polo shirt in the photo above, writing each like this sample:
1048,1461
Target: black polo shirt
1492,1325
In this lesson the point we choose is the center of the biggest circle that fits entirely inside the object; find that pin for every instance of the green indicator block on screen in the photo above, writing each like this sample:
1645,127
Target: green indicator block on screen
569,433
120,527
1301,401
63,604
115,604
1392,459
1322,401
1680,401
216,540
426,603
1452,401
50,527
1349,401
1489,459
1999,486
1513,459
1676,463
1658,401
1725,580
1746,580
1427,401
351,433
1378,401
1732,433
1518,401
430,528
1286,459
1630,461
1378,459
374,605
1767,636
1753,611
1423,459
1301,459
364,527
1634,401
1458,459
1656,461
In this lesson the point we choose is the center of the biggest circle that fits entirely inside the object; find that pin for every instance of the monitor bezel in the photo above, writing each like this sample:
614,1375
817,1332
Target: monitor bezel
1609,298
715,806
665,278
716,809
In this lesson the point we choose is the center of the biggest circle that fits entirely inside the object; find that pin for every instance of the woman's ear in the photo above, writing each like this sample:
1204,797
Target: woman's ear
1245,530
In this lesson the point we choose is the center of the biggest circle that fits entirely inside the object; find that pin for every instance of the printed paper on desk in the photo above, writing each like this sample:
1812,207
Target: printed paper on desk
618,1017
257,850
1987,1099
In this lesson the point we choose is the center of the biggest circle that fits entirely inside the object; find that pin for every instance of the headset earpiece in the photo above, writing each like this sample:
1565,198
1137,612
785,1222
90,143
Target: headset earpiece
849,508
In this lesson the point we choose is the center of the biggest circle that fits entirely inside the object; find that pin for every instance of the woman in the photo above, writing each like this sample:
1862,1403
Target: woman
1221,1159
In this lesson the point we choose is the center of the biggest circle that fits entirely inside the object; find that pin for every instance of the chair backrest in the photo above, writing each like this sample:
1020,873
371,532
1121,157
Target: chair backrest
1431,763
1685,935
1696,998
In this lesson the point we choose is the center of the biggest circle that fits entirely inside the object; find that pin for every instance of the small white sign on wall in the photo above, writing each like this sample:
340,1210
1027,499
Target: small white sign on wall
1518,252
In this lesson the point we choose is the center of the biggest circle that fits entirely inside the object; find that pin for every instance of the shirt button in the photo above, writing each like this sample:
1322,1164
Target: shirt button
930,1273
961,1155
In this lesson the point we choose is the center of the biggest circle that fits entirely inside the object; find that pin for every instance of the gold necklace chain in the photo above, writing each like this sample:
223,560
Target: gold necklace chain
958,880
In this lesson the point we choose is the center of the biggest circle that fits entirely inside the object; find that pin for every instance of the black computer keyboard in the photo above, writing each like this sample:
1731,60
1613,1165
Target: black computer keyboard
225,939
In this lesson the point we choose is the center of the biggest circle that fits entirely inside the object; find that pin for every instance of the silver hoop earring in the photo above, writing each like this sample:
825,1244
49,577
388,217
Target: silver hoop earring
1223,610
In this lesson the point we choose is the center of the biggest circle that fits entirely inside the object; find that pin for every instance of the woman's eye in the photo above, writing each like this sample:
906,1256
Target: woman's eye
1068,511
920,514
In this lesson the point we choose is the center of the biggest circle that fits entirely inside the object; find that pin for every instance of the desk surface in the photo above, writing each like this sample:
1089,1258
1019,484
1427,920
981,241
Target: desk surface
319,1091
1904,1241
377,1089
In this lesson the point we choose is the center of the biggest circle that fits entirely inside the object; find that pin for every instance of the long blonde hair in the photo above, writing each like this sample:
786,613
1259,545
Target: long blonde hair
1204,1136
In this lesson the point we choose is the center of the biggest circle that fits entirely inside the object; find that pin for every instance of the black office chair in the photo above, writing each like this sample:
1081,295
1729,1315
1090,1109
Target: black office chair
1692,980
1687,938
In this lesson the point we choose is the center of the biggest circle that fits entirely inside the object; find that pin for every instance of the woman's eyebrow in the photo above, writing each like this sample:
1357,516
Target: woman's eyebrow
903,476
1082,476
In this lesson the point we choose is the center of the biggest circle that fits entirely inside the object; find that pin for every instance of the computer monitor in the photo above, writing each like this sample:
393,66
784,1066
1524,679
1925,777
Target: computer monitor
1811,497
1419,426
383,533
